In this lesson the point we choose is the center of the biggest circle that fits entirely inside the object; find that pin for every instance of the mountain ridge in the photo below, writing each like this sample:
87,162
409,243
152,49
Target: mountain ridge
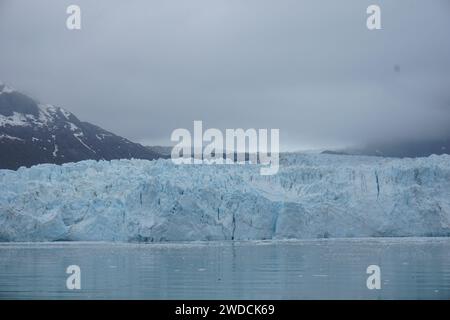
33,133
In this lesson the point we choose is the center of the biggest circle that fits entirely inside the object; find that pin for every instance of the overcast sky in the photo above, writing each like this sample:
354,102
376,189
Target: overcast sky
310,68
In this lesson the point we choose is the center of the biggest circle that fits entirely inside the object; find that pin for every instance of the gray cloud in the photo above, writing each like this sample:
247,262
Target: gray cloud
310,68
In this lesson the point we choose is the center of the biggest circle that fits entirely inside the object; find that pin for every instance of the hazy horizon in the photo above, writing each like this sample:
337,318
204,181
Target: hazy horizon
311,69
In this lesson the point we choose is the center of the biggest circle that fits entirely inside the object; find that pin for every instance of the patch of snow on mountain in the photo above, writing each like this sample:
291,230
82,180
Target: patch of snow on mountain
65,113
5,89
55,151
17,119
46,114
78,137
5,136
73,127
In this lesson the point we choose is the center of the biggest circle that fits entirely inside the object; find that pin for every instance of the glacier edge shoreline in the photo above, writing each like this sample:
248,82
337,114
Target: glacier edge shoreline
312,196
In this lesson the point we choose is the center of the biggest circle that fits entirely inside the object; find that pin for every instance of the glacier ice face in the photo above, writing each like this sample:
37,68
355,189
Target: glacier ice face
312,196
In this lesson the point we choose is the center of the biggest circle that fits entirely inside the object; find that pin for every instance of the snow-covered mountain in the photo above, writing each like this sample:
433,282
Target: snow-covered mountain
312,196
33,133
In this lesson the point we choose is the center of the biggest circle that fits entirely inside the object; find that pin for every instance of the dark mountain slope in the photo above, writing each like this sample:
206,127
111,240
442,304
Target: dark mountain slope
33,133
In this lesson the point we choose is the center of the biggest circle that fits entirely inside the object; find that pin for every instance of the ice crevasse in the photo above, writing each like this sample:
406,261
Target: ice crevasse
312,196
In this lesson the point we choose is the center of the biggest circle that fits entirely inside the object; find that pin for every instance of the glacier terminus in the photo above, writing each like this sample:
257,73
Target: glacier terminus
312,196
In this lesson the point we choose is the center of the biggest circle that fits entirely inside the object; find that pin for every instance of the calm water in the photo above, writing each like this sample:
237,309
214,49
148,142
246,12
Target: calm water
319,269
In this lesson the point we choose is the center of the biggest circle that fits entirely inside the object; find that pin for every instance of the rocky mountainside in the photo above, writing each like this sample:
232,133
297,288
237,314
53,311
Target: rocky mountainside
33,133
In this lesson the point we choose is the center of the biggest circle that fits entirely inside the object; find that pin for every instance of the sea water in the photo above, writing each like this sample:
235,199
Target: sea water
410,268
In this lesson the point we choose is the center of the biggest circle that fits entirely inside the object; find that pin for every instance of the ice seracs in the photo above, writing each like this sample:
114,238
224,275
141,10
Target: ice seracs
312,196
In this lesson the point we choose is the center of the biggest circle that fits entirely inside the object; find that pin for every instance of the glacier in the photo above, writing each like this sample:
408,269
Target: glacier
312,196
